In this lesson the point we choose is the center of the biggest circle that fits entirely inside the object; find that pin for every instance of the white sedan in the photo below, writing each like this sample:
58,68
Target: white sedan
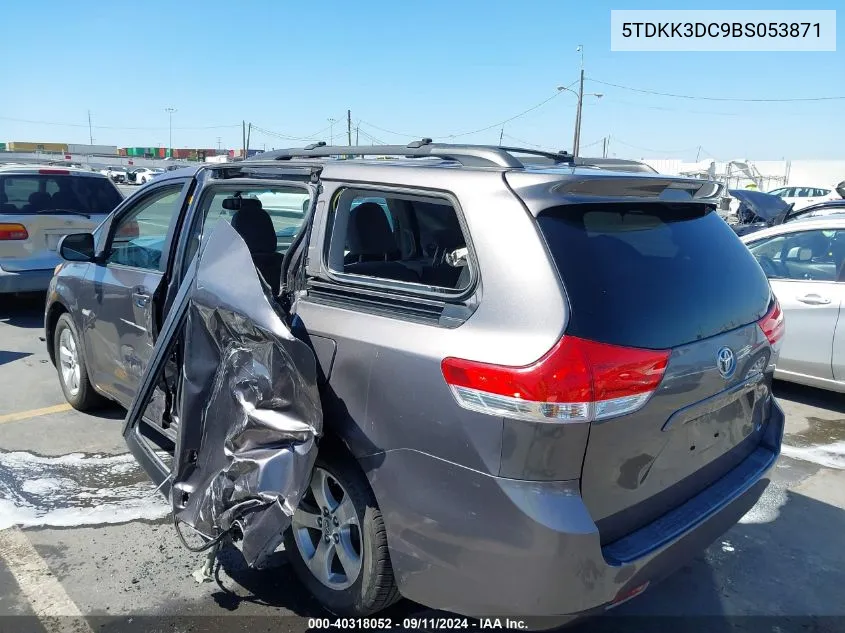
805,263
145,175
801,197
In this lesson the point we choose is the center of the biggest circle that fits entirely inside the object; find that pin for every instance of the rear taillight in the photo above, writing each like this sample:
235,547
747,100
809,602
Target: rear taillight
576,381
11,231
773,324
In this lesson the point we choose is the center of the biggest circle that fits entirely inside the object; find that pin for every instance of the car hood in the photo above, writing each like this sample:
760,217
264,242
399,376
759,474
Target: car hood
764,205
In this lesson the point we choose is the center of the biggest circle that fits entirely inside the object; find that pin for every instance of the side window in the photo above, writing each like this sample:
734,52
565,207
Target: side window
138,238
398,238
802,256
770,248
16,191
285,206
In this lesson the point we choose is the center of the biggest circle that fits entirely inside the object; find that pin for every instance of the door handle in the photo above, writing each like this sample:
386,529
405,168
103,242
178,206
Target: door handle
141,299
814,300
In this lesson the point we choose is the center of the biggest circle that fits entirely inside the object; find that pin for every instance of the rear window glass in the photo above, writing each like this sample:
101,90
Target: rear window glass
653,275
41,193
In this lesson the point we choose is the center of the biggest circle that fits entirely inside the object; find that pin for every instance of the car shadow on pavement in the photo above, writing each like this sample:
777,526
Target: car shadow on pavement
23,310
784,574
779,570
10,357
810,396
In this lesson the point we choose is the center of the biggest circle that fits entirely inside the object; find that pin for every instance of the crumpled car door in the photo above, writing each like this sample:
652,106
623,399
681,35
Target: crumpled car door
248,407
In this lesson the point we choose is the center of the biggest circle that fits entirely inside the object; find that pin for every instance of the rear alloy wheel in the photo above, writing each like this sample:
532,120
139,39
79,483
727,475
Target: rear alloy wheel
70,364
337,542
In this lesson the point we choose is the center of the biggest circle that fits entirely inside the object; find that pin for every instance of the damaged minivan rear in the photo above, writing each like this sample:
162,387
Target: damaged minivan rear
494,389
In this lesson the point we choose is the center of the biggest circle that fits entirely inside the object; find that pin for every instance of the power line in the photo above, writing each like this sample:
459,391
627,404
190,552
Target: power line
683,110
467,133
700,98
529,143
117,127
595,142
657,151
372,138
290,137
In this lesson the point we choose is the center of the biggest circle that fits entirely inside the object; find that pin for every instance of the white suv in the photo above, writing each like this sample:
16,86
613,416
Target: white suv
802,197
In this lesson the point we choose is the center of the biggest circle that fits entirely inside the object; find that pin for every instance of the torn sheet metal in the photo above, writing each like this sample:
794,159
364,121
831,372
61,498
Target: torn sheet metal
249,406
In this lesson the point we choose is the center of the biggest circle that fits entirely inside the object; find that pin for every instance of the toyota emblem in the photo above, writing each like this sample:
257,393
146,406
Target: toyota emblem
726,362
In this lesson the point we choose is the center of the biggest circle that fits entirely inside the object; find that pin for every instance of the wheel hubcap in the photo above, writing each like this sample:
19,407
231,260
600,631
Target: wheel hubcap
69,362
327,532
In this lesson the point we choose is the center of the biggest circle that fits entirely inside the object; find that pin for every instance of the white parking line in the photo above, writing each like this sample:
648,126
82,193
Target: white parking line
44,593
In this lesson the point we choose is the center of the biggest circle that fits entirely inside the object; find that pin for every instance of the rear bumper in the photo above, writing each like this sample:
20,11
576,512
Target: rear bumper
481,545
25,281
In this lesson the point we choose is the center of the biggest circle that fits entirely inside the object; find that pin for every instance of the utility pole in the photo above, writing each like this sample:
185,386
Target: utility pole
576,142
357,127
218,143
349,126
501,134
604,147
243,137
90,130
698,154
331,130
248,134
170,112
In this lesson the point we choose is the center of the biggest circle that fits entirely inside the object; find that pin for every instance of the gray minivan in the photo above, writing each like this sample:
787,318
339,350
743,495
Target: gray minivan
490,386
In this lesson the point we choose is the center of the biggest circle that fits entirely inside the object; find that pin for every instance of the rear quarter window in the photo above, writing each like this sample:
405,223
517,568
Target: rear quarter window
653,275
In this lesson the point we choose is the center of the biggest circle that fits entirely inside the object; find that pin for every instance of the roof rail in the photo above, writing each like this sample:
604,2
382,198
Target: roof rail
467,155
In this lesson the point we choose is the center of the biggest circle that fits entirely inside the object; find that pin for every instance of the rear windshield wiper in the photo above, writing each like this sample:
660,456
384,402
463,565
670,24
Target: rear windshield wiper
65,212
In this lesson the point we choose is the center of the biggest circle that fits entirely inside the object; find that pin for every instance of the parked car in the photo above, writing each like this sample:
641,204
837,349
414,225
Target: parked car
487,387
819,210
758,210
38,205
805,264
143,175
117,174
802,197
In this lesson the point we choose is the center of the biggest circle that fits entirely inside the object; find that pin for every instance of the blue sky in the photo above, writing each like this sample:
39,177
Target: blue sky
434,68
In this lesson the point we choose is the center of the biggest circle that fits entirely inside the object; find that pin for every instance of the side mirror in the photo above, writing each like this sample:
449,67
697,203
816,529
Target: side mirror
77,247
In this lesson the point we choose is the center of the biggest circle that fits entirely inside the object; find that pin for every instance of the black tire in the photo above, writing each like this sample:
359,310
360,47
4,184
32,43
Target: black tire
375,588
85,398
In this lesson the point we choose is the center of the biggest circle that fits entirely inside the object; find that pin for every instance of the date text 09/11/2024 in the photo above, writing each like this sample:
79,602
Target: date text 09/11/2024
416,623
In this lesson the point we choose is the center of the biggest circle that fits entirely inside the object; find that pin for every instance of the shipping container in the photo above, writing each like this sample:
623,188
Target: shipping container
121,151
105,150
2,147
26,146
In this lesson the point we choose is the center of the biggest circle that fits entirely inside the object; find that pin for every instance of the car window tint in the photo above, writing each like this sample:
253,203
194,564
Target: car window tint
138,237
802,255
652,275
39,193
398,238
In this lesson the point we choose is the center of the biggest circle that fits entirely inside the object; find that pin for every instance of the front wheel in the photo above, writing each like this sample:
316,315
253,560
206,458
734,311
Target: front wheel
70,363
337,542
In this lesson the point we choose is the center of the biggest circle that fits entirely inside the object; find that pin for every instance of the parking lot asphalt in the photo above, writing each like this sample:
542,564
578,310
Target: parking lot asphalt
82,532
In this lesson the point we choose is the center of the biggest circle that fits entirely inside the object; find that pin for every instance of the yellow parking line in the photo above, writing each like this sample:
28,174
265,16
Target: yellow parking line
34,413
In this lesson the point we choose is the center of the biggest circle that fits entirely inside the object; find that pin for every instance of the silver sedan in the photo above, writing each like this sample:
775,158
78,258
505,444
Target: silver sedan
805,263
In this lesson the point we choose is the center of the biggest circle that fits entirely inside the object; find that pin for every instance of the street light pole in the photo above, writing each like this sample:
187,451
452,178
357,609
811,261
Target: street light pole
170,112
576,141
